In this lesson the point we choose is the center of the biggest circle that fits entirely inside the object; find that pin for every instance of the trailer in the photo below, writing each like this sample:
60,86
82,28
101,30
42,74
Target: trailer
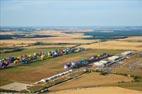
127,54
114,58
56,76
101,63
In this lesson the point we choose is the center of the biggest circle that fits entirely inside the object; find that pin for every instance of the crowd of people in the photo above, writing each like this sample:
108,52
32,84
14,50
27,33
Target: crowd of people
26,59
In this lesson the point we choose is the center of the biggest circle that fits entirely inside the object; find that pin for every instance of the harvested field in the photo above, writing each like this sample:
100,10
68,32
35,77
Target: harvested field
61,33
91,80
98,90
133,39
116,44
60,40
56,37
15,42
51,46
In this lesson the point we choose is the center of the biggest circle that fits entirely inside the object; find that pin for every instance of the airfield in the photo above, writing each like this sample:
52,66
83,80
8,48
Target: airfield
125,78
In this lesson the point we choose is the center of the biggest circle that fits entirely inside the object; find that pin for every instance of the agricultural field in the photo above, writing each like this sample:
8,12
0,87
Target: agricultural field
55,39
130,43
70,46
44,68
127,75
92,79
98,90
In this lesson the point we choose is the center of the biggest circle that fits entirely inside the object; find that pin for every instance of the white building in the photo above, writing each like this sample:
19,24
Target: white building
113,58
127,53
100,63
55,76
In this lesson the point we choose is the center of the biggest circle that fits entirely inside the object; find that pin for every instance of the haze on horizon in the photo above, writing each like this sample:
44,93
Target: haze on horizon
70,12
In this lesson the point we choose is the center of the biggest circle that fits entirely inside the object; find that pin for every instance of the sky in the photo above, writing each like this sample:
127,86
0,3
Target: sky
70,12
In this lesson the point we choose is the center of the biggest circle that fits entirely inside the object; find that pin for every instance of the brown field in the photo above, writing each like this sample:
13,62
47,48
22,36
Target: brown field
118,44
91,80
15,43
60,33
51,46
131,43
58,37
60,40
132,39
98,90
